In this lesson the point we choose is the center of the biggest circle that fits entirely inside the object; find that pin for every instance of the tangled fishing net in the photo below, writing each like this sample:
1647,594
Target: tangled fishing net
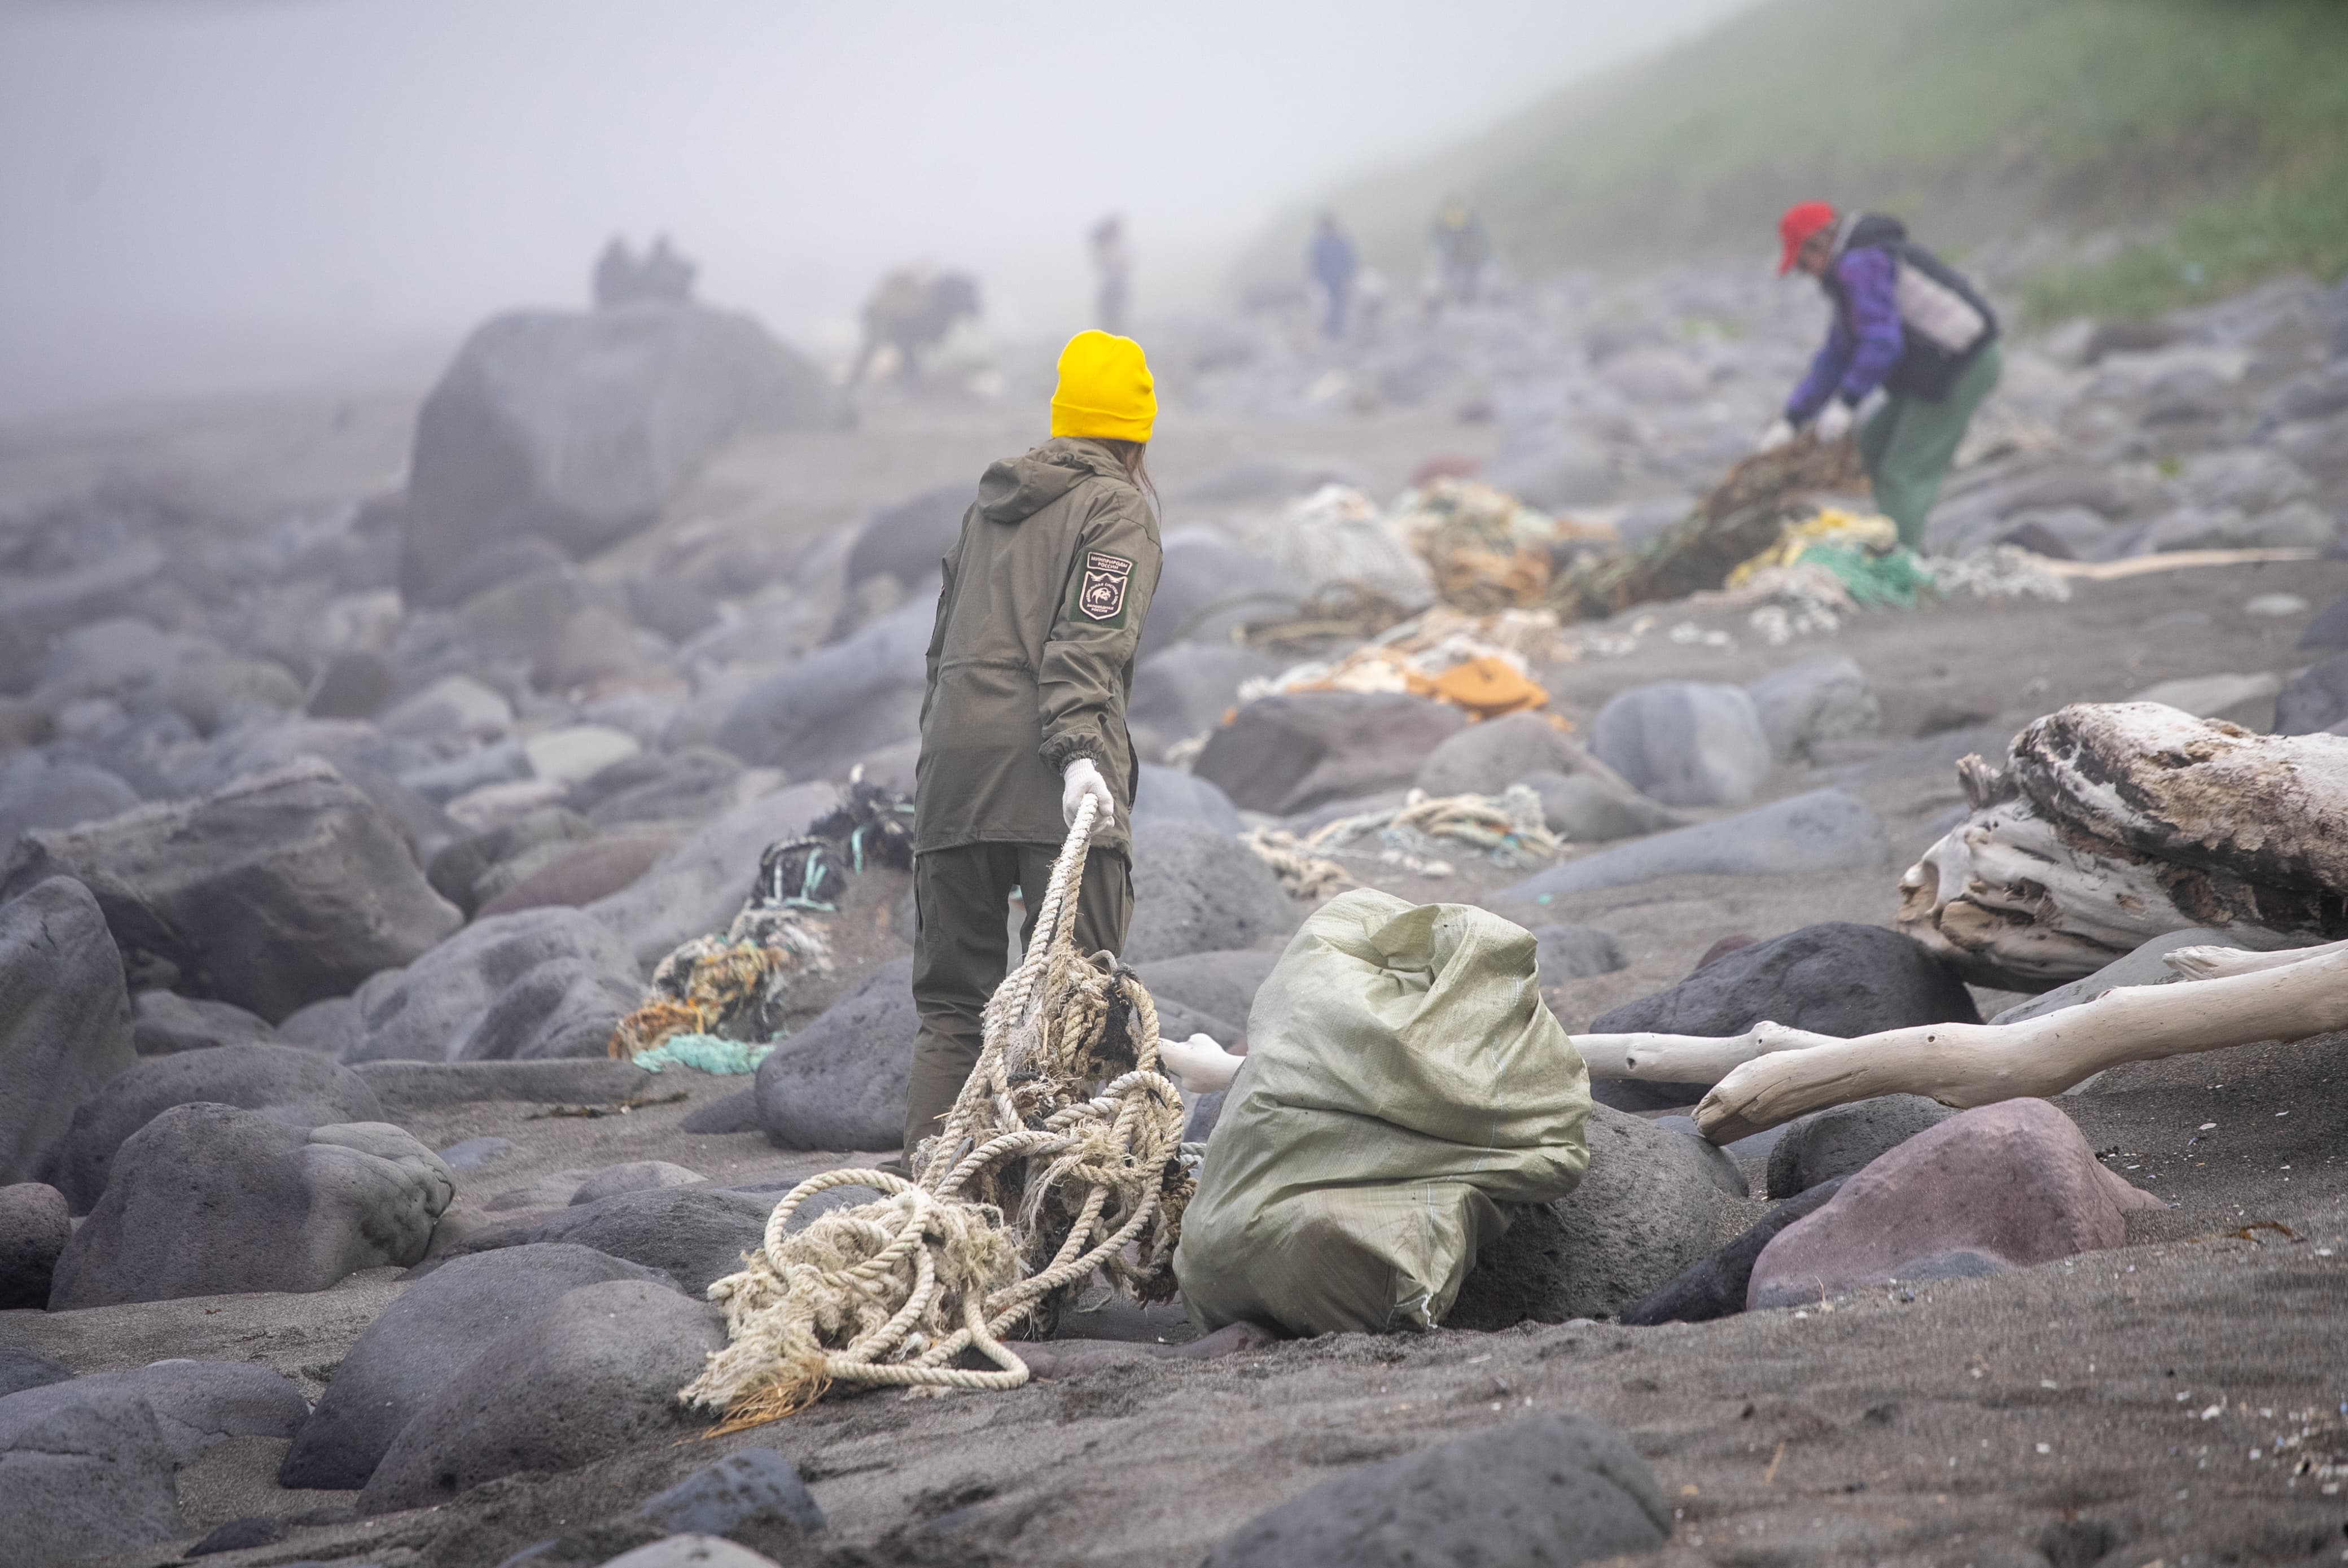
1062,1153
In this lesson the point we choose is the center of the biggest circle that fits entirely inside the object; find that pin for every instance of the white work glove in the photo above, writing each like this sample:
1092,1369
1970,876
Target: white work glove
1833,422
1775,436
1200,1064
1078,779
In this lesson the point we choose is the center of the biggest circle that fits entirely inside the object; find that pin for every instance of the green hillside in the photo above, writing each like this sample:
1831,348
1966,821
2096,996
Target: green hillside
2216,130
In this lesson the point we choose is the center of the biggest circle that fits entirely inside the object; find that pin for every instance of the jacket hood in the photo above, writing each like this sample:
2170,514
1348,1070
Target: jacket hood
1868,229
1016,489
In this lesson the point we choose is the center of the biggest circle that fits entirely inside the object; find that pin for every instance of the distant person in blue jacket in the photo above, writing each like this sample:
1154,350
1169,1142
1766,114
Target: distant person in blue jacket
1334,264
1904,321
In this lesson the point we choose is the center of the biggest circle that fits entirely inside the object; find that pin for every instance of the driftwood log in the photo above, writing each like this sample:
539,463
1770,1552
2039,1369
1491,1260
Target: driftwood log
2112,823
1771,1074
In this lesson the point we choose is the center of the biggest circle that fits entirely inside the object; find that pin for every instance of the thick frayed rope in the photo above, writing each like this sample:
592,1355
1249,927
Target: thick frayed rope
1061,1155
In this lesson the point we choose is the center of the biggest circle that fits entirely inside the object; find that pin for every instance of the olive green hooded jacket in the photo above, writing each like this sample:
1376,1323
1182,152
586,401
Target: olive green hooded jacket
1032,660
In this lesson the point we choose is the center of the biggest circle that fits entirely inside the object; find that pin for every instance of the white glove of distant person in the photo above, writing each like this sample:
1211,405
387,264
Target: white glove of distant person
1775,436
1078,779
1833,421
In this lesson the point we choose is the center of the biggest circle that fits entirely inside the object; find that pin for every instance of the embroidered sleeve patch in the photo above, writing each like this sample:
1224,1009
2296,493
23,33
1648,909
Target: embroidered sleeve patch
1101,588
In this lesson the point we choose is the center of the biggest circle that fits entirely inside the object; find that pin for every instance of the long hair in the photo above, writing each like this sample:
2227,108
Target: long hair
1135,456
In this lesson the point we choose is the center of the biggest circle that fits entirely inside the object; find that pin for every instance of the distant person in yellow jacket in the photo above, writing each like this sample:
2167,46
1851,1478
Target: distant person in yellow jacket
1030,668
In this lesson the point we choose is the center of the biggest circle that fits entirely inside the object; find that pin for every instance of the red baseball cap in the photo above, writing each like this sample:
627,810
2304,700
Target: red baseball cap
1802,220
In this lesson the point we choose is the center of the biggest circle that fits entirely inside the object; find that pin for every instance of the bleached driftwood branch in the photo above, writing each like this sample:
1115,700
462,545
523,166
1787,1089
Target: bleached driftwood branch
1979,1064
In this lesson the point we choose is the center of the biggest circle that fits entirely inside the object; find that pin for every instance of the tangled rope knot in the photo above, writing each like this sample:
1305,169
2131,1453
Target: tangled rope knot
1061,1157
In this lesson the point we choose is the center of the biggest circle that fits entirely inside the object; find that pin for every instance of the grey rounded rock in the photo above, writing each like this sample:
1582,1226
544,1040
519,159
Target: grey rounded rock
1685,743
842,701
35,1226
1170,795
840,1081
1844,1140
59,795
93,1476
594,1373
208,1199
634,1176
1836,977
196,1403
65,1019
1485,758
299,1088
1221,983
1574,952
445,1005
1596,809
425,1338
21,1369
1292,751
1198,890
1648,1205
1716,1287
1547,1491
1826,830
695,1235
747,1486
1819,699
163,1023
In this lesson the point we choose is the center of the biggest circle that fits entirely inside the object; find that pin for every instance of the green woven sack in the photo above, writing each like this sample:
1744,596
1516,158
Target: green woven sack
1404,1078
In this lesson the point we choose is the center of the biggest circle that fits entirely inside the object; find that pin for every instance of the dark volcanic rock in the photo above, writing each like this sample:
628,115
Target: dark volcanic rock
1819,699
283,888
196,1403
1543,1492
594,1372
1186,690
1485,758
909,539
1222,983
1834,978
423,1340
1291,752
445,1006
692,1235
35,1227
2314,700
840,1081
747,1486
577,429
65,1019
1845,1139
59,795
1686,743
1596,808
299,1089
1650,1204
1998,1187
207,1200
87,1478
1716,1287
1198,890
840,702
579,877
1824,829
1574,952
21,1370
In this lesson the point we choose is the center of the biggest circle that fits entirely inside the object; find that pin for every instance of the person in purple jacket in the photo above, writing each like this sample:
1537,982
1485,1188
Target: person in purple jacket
1906,322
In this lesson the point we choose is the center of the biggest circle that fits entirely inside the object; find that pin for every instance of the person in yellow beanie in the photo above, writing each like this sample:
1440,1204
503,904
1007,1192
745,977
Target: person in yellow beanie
1022,718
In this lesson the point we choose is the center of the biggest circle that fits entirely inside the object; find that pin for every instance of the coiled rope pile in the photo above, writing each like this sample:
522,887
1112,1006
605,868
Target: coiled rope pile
1062,1153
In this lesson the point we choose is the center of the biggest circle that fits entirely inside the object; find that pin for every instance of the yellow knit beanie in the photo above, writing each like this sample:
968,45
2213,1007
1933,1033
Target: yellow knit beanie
1105,389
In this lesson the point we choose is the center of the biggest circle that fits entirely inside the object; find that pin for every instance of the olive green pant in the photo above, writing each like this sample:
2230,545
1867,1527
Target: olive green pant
1909,444
962,949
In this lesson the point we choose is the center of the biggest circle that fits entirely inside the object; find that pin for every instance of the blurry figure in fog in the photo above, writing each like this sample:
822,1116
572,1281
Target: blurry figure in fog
617,273
666,274
911,312
1114,263
1906,322
1334,264
1461,251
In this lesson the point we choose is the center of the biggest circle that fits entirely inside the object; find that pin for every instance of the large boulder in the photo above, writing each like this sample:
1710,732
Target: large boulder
164,1023
1819,699
298,1087
1824,830
1651,1203
1845,1139
2001,1186
196,1403
450,1003
1290,752
594,1373
909,539
282,889
1485,758
817,716
1196,890
698,887
1547,1491
207,1200
423,1340
92,1477
1575,953
65,1019
1685,743
38,793
695,1235
1170,795
1206,585
1835,978
578,428
1596,807
35,1226
840,1081
2314,700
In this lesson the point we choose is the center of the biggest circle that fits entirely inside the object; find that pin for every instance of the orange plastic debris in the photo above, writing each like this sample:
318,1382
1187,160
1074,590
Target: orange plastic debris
1487,687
